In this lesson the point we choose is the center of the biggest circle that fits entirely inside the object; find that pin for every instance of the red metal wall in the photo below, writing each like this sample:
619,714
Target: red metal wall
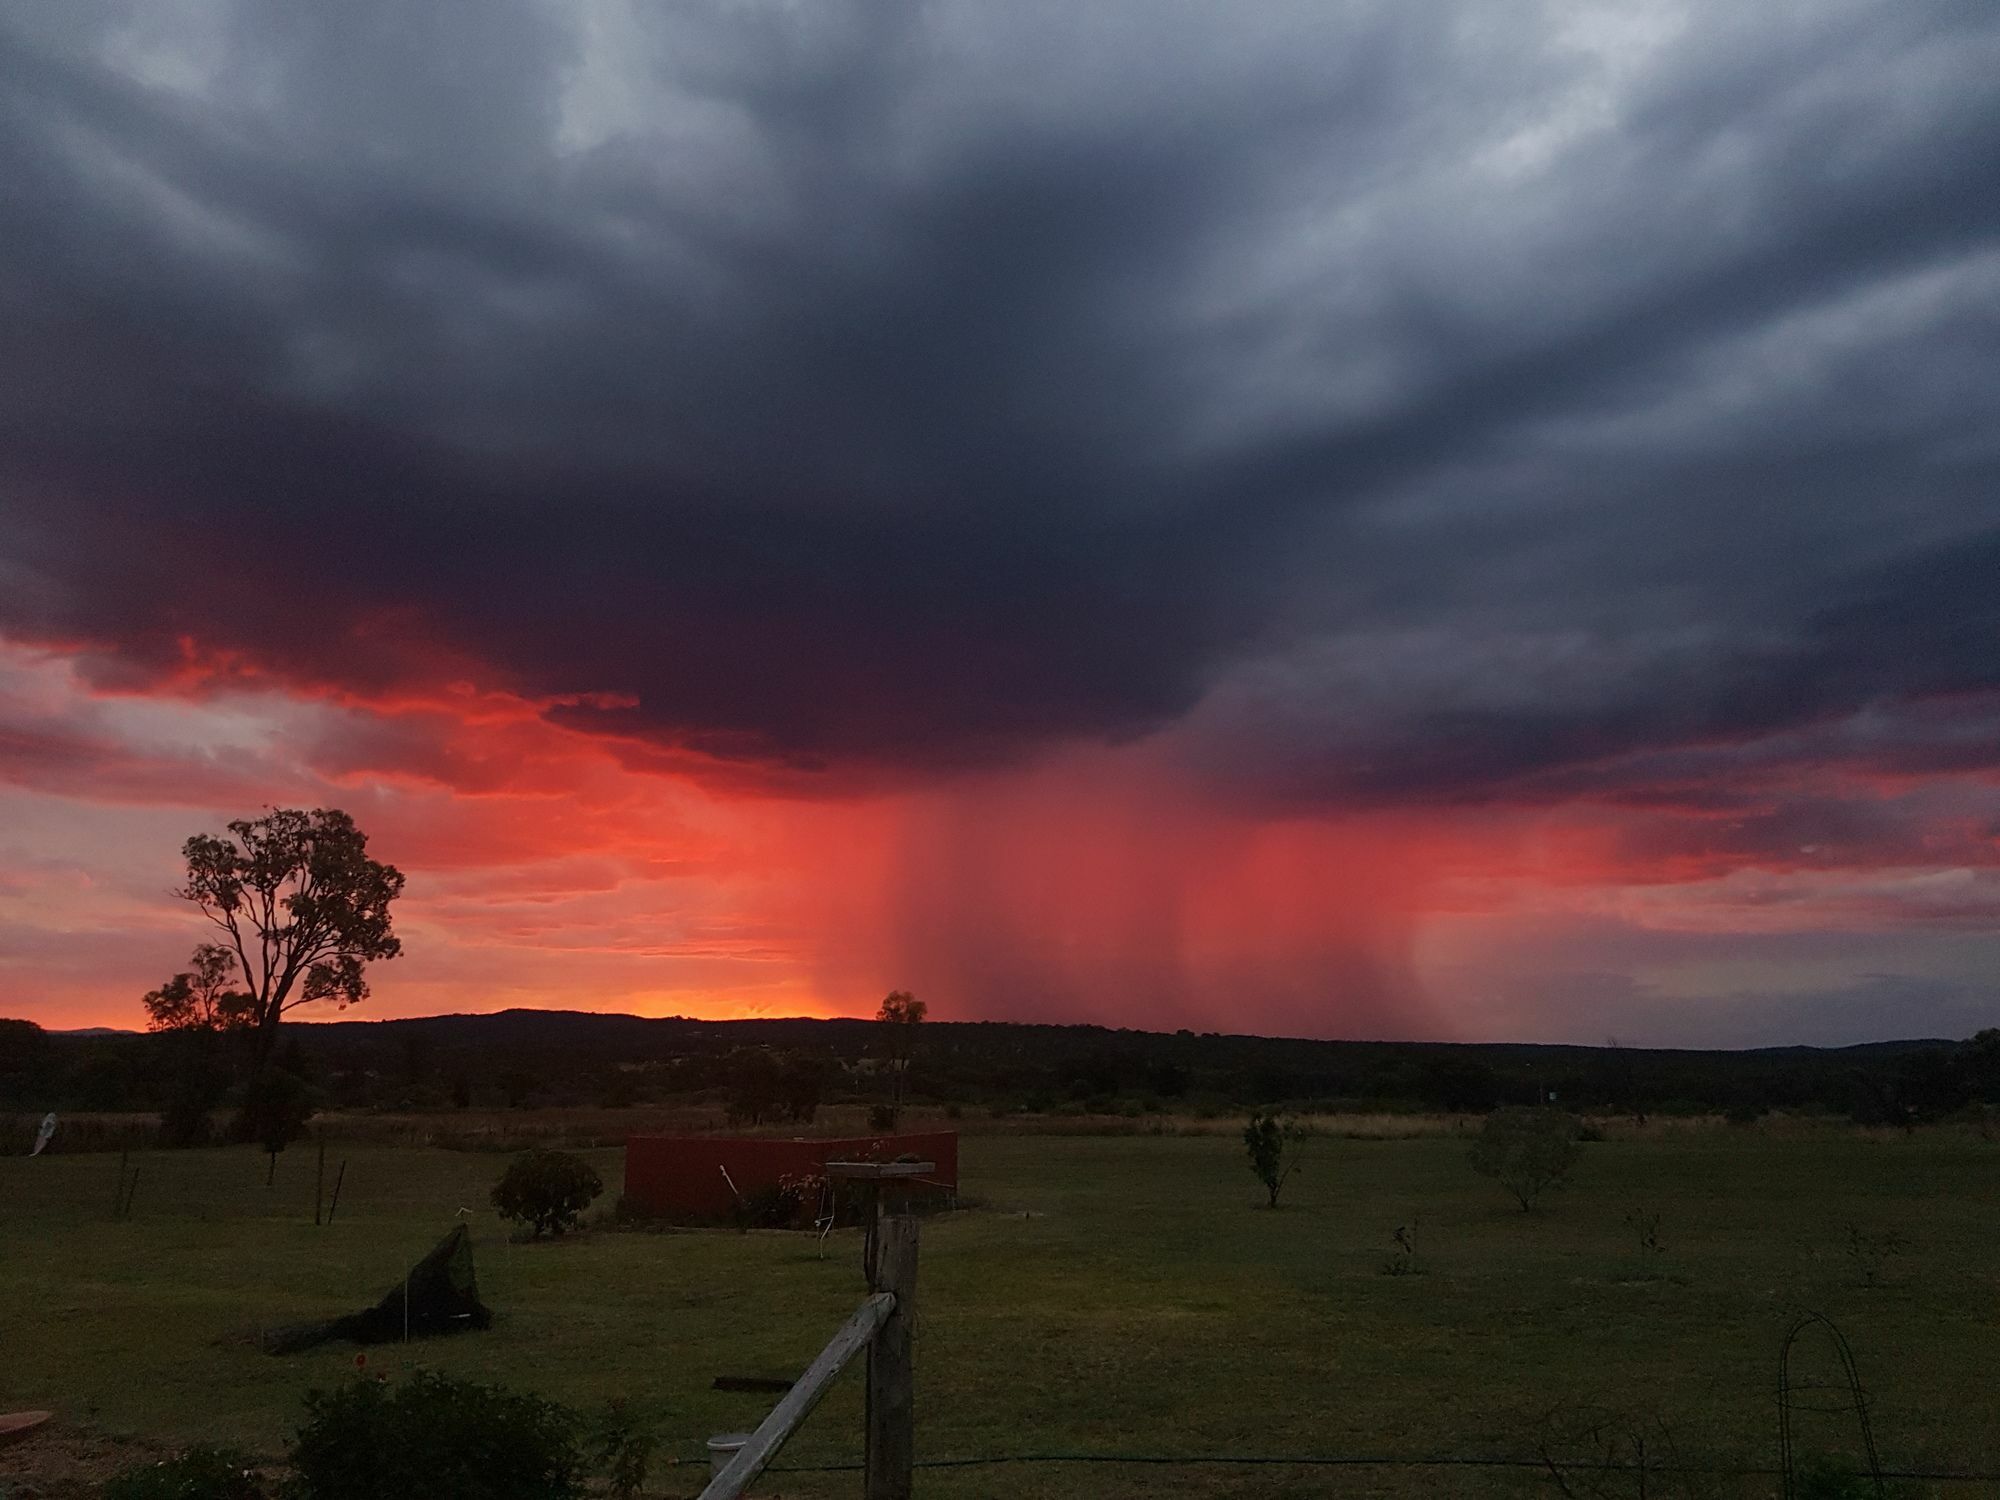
673,1175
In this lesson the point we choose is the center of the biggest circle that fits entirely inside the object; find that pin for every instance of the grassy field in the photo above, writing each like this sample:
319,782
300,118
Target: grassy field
1109,1295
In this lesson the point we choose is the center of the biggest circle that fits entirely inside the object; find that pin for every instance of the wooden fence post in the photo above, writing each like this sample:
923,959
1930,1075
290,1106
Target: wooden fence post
891,1450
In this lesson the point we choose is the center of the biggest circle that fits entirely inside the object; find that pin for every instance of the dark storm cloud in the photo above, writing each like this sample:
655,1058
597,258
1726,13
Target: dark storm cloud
1404,404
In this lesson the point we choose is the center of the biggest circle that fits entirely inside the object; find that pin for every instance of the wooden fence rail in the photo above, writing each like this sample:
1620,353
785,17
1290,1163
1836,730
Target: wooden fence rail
799,1401
884,1324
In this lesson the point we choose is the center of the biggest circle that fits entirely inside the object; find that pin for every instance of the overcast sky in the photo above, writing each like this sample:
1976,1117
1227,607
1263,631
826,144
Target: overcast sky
1359,519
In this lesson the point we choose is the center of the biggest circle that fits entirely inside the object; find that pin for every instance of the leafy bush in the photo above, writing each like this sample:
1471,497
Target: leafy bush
432,1436
1528,1150
547,1190
882,1118
201,1473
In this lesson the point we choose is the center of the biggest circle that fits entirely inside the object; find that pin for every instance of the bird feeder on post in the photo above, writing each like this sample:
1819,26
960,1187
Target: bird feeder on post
889,1259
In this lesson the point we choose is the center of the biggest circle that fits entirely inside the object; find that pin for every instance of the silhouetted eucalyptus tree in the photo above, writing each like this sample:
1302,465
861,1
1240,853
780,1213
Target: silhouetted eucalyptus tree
303,907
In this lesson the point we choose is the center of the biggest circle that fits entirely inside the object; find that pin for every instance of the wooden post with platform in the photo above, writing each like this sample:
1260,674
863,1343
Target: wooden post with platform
889,1258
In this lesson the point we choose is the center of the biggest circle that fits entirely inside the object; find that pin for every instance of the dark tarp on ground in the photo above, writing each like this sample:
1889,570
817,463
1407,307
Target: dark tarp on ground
443,1297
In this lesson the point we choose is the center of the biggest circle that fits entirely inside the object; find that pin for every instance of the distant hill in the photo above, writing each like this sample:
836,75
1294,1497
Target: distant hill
574,1025
566,1058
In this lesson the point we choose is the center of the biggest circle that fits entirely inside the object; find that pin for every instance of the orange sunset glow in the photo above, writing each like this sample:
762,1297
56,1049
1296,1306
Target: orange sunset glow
552,867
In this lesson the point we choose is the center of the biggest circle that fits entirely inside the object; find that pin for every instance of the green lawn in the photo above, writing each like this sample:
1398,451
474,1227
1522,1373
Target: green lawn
1112,1295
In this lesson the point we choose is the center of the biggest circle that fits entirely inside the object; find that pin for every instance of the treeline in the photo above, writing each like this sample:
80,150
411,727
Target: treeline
767,1071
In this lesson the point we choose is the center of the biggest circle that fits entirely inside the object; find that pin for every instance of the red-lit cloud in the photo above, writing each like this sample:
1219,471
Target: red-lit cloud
1109,885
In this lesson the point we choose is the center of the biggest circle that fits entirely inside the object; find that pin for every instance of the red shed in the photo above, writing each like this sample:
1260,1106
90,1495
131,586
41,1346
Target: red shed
683,1175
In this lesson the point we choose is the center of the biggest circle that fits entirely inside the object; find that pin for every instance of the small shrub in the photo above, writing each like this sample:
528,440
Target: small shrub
1743,1114
1403,1261
1528,1150
547,1190
432,1436
201,1473
1589,1133
882,1118
1274,1146
624,1442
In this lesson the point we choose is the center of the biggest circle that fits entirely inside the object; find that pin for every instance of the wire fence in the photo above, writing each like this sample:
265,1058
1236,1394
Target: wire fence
1629,1467
1581,1451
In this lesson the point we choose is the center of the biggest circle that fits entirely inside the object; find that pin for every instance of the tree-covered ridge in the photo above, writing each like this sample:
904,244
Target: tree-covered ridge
558,1058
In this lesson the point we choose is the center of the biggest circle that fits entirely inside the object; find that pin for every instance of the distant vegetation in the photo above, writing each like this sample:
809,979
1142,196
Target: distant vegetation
782,1072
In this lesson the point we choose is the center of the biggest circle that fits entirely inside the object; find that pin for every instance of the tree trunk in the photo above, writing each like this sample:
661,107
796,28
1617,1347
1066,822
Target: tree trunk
264,1042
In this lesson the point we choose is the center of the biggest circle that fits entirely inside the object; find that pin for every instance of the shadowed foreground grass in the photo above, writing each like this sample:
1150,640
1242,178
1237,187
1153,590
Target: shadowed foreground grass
1113,1295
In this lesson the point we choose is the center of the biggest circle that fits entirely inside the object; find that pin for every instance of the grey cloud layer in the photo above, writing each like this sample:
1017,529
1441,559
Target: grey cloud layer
1395,401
